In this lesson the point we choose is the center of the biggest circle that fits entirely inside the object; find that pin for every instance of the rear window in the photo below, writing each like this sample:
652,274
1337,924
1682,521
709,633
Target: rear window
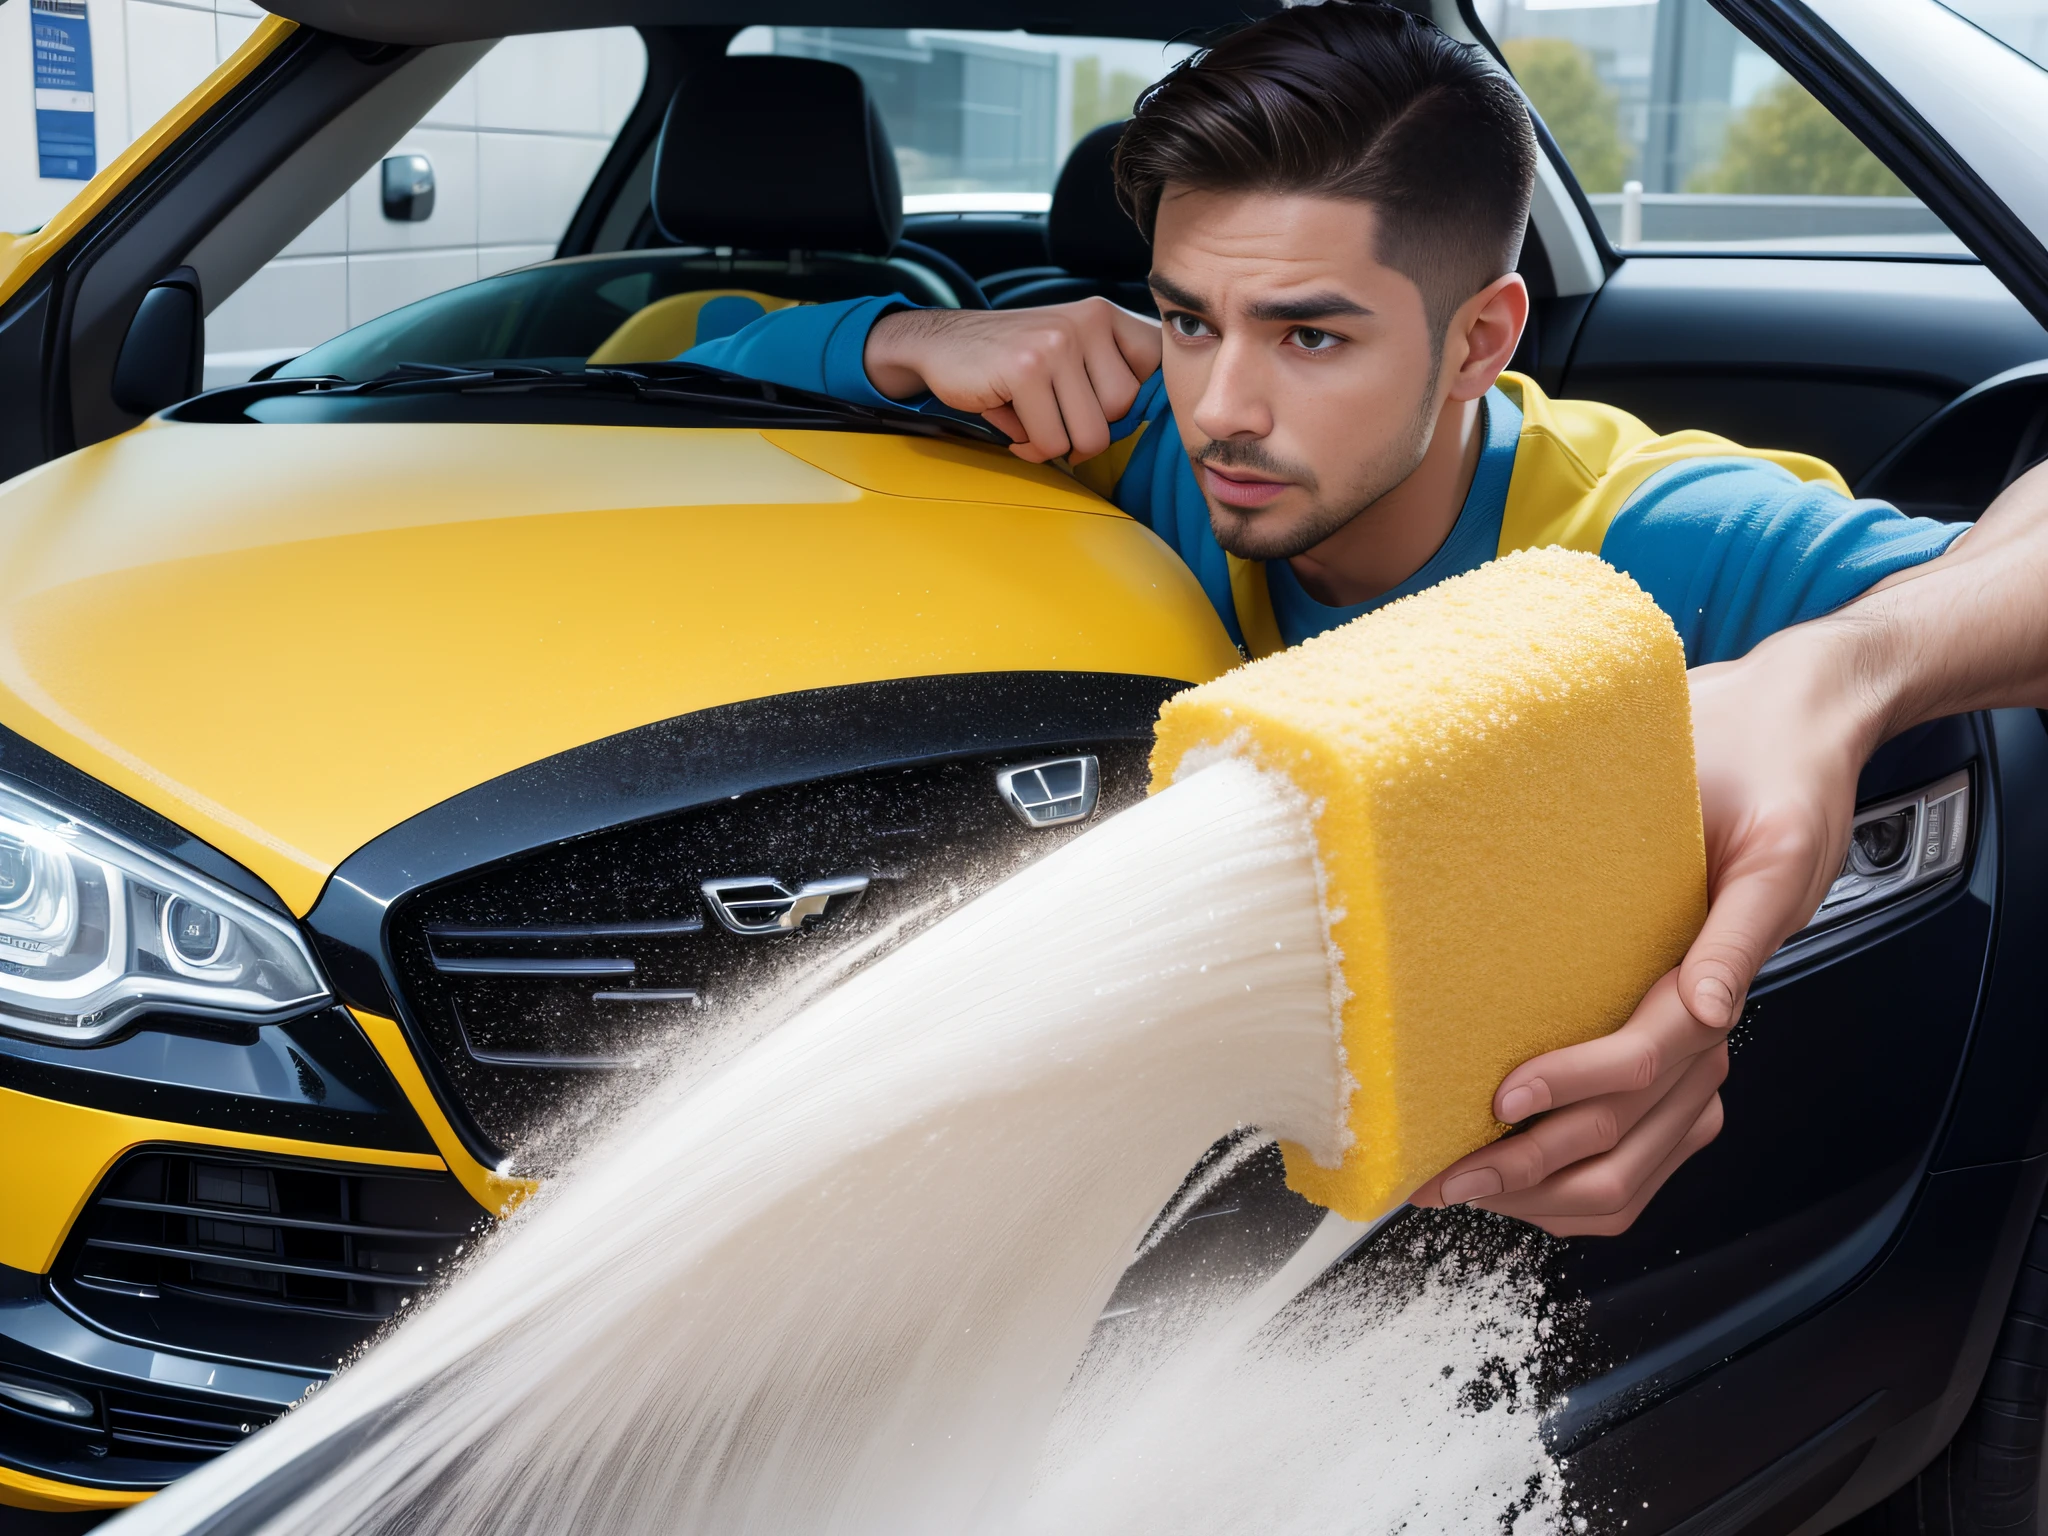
1687,136
981,121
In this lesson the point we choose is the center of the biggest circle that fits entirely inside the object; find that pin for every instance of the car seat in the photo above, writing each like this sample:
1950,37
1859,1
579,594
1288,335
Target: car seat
780,171
1096,247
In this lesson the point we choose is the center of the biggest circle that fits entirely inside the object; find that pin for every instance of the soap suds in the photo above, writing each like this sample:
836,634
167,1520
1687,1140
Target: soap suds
839,1280
1402,1393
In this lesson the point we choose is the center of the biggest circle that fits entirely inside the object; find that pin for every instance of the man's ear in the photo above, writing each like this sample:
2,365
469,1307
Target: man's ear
1490,324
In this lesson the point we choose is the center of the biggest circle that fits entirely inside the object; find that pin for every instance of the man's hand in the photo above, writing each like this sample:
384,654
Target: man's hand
1052,379
1779,737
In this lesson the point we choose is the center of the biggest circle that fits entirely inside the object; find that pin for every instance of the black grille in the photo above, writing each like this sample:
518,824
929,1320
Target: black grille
529,979
281,1261
176,1429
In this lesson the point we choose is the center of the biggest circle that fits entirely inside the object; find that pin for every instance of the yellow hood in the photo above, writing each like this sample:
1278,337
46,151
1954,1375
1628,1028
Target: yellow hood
288,639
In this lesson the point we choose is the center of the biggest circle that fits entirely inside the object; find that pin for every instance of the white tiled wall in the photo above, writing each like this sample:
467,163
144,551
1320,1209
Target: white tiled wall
513,147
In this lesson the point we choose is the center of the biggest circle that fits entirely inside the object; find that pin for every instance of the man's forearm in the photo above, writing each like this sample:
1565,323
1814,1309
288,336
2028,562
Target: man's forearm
1966,631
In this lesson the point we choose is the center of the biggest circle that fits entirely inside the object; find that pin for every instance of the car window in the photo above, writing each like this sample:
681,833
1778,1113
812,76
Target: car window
1687,136
2022,25
981,121
485,182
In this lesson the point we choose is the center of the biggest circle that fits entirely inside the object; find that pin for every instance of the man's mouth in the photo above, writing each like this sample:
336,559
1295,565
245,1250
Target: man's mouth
1241,489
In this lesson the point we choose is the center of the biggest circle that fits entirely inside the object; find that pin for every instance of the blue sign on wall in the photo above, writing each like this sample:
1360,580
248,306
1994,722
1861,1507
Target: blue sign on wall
63,68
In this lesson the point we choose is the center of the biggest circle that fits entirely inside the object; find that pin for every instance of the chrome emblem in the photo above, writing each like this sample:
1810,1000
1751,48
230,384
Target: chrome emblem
758,905
1051,793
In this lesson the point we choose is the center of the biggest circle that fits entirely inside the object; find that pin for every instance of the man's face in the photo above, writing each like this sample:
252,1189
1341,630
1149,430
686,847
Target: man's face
1300,369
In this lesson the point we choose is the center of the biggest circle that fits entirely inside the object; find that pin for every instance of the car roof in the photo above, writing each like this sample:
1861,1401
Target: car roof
449,21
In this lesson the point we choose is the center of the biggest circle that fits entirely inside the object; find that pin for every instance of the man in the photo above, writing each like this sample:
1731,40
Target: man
1336,198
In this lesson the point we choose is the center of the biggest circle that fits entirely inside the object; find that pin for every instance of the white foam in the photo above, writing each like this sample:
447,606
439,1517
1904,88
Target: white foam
839,1281
1351,1411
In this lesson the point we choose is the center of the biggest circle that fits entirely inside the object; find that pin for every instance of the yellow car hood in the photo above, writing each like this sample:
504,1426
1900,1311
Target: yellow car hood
289,638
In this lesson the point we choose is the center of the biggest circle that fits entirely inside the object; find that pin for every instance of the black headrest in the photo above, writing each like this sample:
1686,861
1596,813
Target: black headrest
1087,231
776,154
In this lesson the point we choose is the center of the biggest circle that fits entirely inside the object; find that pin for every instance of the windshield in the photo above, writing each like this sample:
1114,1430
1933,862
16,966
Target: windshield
553,316
563,313
981,123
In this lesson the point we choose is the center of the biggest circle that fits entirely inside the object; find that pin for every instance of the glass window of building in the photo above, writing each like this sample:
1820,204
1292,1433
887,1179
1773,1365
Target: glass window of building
1686,136
981,121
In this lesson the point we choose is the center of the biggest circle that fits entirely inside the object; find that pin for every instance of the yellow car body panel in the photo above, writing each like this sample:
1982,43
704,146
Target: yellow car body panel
288,639
935,470
494,1191
24,1490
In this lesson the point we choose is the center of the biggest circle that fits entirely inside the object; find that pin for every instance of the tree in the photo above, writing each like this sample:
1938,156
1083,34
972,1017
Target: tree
1785,142
1581,113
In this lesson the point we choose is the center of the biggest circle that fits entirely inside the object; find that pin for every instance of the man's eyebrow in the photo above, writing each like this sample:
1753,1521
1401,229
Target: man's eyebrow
1174,294
1313,306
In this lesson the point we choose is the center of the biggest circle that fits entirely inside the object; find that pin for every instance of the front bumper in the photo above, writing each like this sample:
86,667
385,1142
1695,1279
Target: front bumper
167,1393
147,1400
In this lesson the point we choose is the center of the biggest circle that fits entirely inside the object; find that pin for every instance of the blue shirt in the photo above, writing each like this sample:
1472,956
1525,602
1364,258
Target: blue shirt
1731,548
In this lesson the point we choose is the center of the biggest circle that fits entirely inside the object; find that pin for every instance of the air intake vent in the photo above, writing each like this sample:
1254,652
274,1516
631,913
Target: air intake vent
176,1429
285,1262
529,978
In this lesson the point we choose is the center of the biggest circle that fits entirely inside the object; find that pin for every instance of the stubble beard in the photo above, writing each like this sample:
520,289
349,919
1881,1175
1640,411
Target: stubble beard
1257,535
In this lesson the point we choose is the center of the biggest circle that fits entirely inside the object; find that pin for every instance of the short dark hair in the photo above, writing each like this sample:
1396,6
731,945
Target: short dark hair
1354,99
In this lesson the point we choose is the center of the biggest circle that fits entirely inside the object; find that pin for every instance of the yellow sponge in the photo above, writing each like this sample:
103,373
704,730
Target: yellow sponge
1509,828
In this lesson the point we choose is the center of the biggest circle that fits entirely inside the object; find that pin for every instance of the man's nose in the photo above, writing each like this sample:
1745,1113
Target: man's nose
1236,400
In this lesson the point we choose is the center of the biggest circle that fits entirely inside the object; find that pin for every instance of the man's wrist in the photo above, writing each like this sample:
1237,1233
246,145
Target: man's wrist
1849,680
889,356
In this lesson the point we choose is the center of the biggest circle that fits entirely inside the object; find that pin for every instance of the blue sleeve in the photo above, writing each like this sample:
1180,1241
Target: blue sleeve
823,346
807,346
1736,549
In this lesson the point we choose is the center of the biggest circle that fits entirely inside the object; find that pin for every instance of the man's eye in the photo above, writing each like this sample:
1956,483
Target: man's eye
1309,339
1189,326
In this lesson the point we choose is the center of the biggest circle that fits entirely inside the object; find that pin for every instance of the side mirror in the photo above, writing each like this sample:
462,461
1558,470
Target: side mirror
163,355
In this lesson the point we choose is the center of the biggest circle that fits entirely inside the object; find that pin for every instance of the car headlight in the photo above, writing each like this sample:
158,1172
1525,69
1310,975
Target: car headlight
1896,849
95,929
1899,847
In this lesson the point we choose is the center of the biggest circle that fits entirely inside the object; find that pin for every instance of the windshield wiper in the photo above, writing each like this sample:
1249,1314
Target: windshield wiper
683,386
695,384
459,375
